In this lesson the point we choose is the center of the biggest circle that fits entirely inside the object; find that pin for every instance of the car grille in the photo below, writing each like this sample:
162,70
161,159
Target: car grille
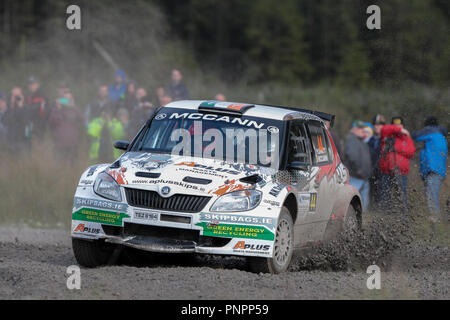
177,202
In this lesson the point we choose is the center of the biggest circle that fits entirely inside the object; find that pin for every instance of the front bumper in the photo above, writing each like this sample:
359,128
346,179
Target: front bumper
152,230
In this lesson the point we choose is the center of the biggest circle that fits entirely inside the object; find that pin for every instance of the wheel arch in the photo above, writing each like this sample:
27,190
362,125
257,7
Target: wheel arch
356,203
291,203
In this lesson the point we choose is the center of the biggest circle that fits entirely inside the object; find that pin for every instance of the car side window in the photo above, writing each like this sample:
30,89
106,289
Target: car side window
323,153
298,143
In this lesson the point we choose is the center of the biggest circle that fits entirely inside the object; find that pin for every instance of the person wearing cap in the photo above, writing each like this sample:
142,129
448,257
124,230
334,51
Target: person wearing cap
374,143
397,148
118,89
37,103
433,161
357,160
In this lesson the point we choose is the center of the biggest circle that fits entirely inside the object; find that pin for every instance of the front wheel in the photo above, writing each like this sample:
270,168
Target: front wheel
282,250
91,254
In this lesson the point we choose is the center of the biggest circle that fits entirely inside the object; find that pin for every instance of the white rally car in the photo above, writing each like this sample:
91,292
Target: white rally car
273,185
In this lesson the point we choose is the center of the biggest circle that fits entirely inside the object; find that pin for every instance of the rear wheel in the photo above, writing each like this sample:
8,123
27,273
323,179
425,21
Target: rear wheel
352,221
282,250
91,254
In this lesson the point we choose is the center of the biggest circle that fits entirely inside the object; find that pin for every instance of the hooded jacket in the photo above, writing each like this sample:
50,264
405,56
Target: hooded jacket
433,156
357,157
396,151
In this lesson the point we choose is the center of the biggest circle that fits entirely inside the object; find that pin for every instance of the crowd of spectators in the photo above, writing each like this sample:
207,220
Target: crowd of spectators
378,155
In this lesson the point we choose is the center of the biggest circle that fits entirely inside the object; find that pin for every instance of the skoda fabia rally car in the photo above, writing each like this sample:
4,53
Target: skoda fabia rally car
218,178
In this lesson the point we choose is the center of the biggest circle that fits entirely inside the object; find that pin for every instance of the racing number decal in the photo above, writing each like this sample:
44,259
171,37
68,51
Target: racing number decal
312,202
320,143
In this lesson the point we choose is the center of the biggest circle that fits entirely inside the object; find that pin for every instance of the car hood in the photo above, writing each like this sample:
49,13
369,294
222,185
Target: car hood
201,175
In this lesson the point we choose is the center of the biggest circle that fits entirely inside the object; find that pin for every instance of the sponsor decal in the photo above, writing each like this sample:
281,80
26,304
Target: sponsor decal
100,216
86,182
99,204
176,183
161,116
215,117
251,220
242,246
92,170
196,165
276,189
81,228
203,172
118,175
312,202
229,186
272,203
304,200
236,231
146,215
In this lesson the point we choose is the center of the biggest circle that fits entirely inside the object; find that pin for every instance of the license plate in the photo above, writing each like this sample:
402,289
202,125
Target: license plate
146,215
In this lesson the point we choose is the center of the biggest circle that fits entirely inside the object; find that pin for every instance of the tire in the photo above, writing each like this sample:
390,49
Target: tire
283,248
352,222
91,254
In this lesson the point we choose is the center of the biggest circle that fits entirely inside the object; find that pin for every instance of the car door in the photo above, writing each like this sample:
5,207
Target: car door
323,185
301,172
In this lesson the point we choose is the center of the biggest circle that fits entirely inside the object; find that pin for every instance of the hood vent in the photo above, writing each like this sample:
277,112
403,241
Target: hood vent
253,179
152,175
196,180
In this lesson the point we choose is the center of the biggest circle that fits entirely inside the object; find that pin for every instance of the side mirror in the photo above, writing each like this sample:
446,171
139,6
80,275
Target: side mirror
297,165
121,145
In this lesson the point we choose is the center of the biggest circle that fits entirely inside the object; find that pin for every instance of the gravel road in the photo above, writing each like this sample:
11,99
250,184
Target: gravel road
33,265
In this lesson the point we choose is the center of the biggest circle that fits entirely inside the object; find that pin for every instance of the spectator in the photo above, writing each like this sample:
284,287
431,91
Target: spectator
141,94
433,158
397,148
374,145
17,120
103,131
166,100
65,123
3,109
124,117
37,103
177,90
220,97
96,107
357,160
160,94
118,89
143,111
130,96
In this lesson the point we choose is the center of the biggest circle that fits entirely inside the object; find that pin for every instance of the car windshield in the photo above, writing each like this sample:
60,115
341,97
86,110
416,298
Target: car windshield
244,139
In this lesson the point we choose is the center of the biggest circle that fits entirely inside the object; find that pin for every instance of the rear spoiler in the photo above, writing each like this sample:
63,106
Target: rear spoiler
322,115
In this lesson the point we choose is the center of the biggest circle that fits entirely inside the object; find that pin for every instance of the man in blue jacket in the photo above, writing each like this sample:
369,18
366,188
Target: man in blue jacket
433,158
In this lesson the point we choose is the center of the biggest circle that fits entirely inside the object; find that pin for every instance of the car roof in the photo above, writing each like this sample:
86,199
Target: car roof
258,110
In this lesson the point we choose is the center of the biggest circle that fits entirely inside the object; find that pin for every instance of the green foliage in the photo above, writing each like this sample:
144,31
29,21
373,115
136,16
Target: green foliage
290,41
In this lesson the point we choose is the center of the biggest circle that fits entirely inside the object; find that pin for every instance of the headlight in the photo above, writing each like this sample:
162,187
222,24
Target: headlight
242,200
106,187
